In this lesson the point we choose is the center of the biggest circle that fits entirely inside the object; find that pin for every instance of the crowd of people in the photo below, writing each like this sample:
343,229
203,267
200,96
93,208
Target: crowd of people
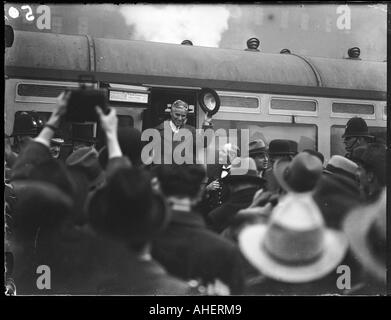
103,222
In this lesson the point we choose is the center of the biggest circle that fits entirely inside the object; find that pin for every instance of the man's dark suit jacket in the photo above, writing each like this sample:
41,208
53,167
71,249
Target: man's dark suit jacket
220,218
190,144
187,249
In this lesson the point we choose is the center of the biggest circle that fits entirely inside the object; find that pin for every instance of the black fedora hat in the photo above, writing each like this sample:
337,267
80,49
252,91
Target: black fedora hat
282,147
127,208
315,153
244,170
356,127
299,174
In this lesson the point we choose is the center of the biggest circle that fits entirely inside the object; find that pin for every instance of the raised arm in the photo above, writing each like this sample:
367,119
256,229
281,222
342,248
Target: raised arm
54,121
109,123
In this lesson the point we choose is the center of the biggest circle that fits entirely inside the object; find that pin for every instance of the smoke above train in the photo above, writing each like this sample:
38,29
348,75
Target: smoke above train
323,30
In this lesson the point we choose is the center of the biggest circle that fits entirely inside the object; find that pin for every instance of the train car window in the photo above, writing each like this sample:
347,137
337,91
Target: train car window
234,103
44,91
293,105
36,90
353,108
385,113
306,135
336,141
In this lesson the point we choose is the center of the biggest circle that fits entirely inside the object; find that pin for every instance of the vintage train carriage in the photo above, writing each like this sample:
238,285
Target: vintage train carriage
308,99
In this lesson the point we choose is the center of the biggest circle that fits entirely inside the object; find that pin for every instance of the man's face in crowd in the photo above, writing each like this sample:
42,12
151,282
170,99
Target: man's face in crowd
179,116
354,142
350,143
226,155
223,157
55,151
261,160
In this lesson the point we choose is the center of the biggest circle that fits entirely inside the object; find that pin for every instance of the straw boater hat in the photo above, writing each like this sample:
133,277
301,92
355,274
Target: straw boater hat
342,166
295,246
299,174
366,231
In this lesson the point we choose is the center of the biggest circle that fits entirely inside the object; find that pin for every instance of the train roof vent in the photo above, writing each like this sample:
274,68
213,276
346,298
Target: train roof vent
187,43
253,44
354,53
285,51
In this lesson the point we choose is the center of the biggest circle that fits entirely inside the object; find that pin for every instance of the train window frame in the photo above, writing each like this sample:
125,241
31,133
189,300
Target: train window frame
276,123
350,115
272,111
48,100
239,109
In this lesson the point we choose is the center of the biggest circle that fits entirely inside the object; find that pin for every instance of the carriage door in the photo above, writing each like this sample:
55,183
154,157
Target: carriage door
161,100
130,102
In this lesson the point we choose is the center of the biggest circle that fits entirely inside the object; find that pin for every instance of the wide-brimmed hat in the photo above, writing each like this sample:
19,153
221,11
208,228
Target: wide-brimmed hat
86,159
39,205
256,147
280,147
245,170
295,246
127,208
343,166
299,174
365,228
315,153
356,127
42,167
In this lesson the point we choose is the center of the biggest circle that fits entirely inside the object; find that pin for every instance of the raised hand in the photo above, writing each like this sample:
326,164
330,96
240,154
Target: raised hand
109,122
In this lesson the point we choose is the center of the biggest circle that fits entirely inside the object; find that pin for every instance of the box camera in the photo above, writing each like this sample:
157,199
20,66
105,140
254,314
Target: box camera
82,102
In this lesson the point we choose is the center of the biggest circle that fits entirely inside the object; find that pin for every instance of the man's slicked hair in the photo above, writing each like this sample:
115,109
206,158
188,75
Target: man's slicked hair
180,104
180,180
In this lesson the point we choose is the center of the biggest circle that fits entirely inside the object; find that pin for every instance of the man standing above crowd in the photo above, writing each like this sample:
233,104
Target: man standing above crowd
177,121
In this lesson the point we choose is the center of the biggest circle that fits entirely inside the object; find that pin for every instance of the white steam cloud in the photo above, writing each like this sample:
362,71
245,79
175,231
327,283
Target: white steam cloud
202,24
